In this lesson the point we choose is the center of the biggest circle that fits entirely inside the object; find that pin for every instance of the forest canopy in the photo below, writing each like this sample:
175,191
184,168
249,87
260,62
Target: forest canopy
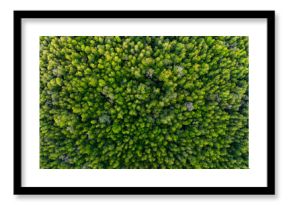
144,102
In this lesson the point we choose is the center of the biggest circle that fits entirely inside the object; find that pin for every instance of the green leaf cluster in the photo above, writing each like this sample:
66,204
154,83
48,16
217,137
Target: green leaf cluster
144,102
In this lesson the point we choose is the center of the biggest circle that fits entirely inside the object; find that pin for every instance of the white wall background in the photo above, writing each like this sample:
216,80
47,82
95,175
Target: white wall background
282,99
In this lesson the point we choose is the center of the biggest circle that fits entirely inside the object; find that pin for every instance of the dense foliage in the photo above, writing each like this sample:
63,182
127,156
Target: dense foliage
144,102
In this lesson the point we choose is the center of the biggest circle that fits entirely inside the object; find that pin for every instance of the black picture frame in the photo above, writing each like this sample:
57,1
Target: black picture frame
268,190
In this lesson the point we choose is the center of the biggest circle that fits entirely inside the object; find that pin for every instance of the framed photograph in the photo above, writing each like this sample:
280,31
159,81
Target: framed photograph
144,102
